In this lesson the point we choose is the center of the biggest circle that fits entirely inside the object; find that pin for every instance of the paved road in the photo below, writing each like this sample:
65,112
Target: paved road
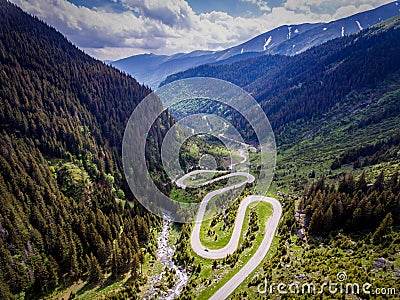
255,260
233,243
270,228
179,182
271,225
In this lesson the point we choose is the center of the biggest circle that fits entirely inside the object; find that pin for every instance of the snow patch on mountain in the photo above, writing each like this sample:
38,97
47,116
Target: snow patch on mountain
359,25
267,42
153,69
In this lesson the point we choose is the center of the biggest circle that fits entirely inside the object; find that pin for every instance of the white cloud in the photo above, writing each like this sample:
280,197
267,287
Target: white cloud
349,10
149,26
174,13
263,5
331,7
170,26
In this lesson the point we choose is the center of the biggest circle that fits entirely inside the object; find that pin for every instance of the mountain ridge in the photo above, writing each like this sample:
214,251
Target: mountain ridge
65,207
306,86
289,40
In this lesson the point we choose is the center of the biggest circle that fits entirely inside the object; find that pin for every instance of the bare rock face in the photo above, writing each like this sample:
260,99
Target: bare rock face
381,262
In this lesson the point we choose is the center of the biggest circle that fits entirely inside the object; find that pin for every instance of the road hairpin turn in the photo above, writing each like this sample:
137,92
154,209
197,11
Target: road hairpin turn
218,107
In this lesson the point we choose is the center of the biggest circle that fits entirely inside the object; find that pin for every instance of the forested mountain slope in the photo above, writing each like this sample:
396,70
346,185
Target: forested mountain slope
62,118
311,84
284,40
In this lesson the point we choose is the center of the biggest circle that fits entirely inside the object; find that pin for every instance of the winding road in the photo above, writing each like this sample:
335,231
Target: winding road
255,260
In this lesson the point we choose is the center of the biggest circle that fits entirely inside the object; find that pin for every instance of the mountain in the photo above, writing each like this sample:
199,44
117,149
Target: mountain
65,212
62,189
308,85
151,69
295,39
335,113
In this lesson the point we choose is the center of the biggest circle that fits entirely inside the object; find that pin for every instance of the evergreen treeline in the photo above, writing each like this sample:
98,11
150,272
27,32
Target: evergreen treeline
62,118
241,73
353,205
369,154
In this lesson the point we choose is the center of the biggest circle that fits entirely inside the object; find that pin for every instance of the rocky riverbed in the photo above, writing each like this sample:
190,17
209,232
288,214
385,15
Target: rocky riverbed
165,252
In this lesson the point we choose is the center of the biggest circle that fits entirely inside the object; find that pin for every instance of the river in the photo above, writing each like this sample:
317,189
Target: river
165,252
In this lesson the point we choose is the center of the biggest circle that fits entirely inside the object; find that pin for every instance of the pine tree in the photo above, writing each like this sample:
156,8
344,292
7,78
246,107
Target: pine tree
142,259
95,272
316,222
135,264
328,219
379,183
383,229
361,183
394,181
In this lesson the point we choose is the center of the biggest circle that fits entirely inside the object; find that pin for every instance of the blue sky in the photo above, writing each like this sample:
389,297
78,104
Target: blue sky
232,7
113,29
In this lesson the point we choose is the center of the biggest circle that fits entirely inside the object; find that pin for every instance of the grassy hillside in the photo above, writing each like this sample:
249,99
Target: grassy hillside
68,218
335,111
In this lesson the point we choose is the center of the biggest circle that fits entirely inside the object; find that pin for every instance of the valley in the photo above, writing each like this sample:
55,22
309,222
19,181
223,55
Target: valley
71,227
225,250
